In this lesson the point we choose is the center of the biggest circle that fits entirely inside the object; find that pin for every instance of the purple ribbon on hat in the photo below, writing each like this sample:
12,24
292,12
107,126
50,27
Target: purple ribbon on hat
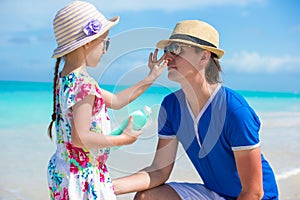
92,27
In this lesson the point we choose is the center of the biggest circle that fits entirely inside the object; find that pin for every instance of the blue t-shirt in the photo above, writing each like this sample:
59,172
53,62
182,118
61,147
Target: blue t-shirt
226,123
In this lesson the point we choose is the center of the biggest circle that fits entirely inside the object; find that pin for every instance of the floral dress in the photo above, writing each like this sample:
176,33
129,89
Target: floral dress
79,173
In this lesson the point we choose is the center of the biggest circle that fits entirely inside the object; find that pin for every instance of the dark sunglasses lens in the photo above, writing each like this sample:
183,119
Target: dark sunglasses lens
107,42
166,49
175,48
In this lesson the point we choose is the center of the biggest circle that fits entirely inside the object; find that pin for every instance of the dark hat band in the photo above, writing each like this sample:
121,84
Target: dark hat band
192,39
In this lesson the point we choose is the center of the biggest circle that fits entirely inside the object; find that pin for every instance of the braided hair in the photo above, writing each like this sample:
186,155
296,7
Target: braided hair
53,116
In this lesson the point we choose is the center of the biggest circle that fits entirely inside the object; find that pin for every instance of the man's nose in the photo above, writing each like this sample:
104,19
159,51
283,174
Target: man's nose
169,56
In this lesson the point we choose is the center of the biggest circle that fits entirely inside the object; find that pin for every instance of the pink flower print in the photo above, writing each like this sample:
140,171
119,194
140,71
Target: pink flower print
99,102
57,92
83,159
73,168
70,114
102,168
98,90
102,159
107,117
66,194
51,193
85,186
56,195
102,178
78,155
84,90
59,195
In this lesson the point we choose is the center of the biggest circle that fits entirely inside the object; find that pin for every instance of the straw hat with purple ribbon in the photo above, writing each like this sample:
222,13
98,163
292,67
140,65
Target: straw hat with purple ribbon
196,33
77,24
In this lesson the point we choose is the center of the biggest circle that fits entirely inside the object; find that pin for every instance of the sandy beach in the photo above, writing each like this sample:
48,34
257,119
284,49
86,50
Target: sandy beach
26,179
184,171
23,172
288,188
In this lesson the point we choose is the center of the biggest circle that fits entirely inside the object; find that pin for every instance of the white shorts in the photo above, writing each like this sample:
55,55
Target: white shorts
194,191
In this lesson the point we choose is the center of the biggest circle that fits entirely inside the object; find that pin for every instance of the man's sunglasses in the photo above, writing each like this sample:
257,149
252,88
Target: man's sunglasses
175,48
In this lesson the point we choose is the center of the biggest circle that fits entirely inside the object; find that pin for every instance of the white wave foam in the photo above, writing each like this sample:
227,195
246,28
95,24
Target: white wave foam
10,194
287,174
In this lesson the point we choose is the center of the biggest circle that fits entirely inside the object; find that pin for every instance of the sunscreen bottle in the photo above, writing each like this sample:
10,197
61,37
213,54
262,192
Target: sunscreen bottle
140,118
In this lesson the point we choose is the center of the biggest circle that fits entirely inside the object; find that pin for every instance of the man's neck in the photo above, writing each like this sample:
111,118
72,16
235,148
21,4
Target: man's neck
197,94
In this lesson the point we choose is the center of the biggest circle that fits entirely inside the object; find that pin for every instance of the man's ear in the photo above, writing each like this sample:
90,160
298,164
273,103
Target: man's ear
205,55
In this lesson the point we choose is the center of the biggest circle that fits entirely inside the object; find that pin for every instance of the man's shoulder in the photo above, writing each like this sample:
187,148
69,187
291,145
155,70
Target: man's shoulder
173,99
175,95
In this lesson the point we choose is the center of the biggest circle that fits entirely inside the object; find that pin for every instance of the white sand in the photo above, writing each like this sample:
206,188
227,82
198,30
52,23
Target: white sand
289,187
23,170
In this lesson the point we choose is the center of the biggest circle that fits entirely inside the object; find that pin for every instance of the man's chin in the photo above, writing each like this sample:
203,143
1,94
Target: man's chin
173,76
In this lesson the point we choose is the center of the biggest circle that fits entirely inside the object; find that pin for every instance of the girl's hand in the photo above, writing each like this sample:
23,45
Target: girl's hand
156,66
129,135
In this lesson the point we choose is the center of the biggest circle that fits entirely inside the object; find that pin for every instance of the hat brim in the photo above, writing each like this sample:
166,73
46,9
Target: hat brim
65,49
163,43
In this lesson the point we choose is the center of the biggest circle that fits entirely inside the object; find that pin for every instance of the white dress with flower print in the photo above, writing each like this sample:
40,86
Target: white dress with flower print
79,173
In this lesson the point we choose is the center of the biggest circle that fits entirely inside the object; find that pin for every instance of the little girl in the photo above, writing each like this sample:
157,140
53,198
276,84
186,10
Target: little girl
77,170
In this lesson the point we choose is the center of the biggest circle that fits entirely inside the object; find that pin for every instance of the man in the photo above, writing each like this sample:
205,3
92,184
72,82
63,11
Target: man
215,125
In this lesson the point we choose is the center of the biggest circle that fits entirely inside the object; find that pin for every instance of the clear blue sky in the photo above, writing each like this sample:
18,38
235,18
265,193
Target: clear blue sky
260,38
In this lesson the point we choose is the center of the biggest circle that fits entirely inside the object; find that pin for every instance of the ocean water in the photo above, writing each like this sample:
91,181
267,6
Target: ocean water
26,108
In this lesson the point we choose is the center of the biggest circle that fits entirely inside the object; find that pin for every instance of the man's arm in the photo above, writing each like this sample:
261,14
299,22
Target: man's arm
249,168
154,175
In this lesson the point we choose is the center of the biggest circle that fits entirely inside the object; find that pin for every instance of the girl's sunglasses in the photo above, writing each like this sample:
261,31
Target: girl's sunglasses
106,44
175,48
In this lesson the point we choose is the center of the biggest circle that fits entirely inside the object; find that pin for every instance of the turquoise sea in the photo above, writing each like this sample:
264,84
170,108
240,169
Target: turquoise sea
26,108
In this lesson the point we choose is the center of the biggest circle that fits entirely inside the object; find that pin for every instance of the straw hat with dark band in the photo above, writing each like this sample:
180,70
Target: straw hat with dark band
196,33
77,24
